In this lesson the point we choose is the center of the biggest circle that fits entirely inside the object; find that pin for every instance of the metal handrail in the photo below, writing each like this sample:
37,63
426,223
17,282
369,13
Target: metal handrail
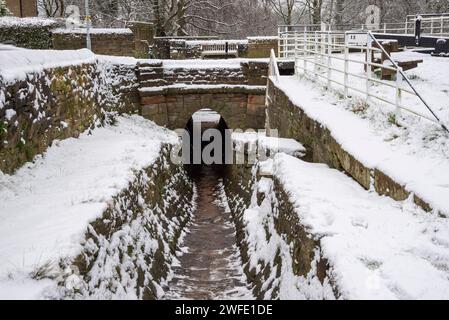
318,48
404,76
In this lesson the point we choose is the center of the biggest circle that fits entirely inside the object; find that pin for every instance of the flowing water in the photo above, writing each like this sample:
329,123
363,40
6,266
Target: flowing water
210,265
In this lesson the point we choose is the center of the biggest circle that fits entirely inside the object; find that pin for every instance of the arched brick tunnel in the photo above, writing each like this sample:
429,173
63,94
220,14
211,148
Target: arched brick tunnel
241,107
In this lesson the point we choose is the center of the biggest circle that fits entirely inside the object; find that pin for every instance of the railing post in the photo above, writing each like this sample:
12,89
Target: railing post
296,45
399,80
368,66
306,45
385,27
346,70
315,51
442,25
329,61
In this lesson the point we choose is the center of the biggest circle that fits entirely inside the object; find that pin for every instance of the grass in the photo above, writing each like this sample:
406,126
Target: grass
43,271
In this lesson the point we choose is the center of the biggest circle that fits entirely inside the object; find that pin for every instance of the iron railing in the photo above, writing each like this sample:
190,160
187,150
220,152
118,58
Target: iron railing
324,57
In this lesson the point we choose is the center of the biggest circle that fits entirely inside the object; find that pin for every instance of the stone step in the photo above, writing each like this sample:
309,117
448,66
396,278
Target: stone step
152,83
150,76
150,64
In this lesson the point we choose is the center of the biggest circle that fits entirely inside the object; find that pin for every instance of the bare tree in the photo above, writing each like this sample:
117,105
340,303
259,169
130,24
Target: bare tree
284,9
52,8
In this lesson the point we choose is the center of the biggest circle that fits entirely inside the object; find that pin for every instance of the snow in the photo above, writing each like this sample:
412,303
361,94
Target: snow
377,248
206,115
192,43
93,31
118,60
16,63
45,206
265,246
9,114
25,22
208,64
413,154
271,144
263,38
201,86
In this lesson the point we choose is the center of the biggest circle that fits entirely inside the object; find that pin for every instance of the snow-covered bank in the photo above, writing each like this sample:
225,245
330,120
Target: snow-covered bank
413,152
16,63
377,248
46,206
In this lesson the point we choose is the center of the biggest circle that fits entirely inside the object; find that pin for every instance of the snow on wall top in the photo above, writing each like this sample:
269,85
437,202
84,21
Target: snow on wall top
212,42
377,248
15,63
26,22
208,64
93,31
46,206
263,38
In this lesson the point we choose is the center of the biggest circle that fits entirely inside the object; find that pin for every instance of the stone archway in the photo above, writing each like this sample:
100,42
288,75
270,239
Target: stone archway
241,107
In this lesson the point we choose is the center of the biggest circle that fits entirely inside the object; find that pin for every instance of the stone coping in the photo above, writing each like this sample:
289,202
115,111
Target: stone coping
201,89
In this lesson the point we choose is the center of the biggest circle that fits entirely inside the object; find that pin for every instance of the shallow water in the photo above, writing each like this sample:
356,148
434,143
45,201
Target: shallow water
210,267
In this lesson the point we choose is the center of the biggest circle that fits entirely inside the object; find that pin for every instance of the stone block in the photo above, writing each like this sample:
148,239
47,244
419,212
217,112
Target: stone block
150,110
256,99
153,100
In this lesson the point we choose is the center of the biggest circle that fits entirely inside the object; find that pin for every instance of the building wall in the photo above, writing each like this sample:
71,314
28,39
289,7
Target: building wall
112,43
22,8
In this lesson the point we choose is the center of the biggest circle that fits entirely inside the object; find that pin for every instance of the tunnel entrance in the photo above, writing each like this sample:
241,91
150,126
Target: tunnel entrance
209,140
210,266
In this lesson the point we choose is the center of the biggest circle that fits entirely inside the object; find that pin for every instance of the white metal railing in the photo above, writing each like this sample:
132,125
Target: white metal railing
325,57
431,24
219,48
273,68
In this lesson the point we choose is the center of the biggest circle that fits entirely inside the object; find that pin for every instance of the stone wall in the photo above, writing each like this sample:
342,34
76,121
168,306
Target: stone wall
248,72
22,8
240,107
54,104
260,47
294,249
120,86
59,103
292,122
114,42
128,252
180,49
236,92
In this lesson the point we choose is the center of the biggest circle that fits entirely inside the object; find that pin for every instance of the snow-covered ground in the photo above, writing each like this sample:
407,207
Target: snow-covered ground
377,248
411,150
428,78
46,206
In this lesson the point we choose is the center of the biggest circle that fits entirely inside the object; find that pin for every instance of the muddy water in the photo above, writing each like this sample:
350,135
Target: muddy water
210,265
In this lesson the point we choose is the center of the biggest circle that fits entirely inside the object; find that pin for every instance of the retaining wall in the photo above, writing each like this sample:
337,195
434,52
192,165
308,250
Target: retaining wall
128,252
292,122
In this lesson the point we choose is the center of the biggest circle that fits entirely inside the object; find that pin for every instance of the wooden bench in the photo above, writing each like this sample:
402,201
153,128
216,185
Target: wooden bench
390,46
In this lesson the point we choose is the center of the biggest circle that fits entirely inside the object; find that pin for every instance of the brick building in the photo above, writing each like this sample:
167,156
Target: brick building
22,8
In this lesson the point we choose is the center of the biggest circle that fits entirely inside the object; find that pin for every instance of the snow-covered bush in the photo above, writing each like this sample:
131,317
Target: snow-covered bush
32,33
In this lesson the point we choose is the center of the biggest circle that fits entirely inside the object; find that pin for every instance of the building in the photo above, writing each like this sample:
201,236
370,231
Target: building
22,8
